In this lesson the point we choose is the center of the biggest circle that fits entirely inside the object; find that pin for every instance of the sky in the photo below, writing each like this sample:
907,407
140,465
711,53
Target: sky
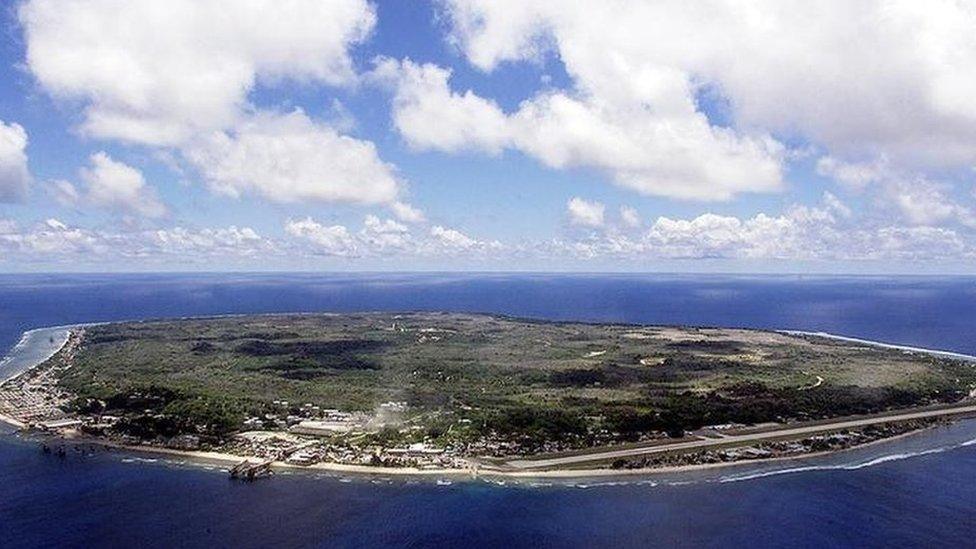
488,135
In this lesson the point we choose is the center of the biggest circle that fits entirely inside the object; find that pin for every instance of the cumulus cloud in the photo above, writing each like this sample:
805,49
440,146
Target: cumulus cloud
384,235
629,217
915,197
640,96
824,232
407,213
585,213
794,237
924,202
291,158
328,240
158,73
452,238
432,117
178,78
710,235
836,206
853,174
828,231
801,232
785,66
384,238
234,240
53,239
115,186
654,148
14,176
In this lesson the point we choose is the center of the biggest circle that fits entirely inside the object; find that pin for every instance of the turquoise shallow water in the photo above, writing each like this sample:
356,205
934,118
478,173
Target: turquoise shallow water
918,491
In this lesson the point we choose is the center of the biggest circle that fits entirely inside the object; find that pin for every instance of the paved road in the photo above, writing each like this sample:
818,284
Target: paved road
527,464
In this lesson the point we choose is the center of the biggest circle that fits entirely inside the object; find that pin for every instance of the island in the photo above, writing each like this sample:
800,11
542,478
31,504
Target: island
478,394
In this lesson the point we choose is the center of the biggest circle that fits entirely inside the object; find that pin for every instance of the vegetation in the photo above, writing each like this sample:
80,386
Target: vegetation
468,376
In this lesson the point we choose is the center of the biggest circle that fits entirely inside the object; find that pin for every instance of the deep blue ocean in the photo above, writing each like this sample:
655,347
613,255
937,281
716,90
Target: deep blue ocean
919,491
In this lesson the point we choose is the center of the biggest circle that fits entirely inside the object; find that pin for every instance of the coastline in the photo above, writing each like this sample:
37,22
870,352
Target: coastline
11,354
220,458
882,344
21,343
474,472
15,423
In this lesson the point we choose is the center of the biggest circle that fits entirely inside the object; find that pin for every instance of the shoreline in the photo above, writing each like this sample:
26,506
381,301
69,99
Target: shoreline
882,344
474,472
365,471
25,338
12,422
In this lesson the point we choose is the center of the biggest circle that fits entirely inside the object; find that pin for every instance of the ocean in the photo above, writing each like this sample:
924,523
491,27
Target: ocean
917,491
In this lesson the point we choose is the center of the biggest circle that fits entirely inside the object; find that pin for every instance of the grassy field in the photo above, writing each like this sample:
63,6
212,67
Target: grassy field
504,375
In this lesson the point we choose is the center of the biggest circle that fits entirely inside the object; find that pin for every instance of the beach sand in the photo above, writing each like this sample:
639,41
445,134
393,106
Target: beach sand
219,458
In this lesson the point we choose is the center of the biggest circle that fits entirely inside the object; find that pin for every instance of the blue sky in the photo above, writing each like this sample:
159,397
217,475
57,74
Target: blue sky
355,135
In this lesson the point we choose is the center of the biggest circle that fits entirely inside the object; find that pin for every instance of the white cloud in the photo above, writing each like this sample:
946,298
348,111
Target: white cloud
704,236
384,238
629,217
55,240
670,154
64,193
919,244
432,117
180,76
923,202
158,73
835,205
328,240
918,199
407,213
859,78
384,235
664,149
117,186
240,241
826,232
801,232
291,158
52,237
829,231
453,238
14,176
635,107
584,212
853,174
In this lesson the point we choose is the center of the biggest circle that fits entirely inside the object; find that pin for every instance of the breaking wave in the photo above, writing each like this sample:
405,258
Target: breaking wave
901,456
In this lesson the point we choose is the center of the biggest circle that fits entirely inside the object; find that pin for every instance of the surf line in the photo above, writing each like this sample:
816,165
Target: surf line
881,344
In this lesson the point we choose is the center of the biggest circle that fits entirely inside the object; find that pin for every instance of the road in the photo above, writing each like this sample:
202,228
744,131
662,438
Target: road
734,440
